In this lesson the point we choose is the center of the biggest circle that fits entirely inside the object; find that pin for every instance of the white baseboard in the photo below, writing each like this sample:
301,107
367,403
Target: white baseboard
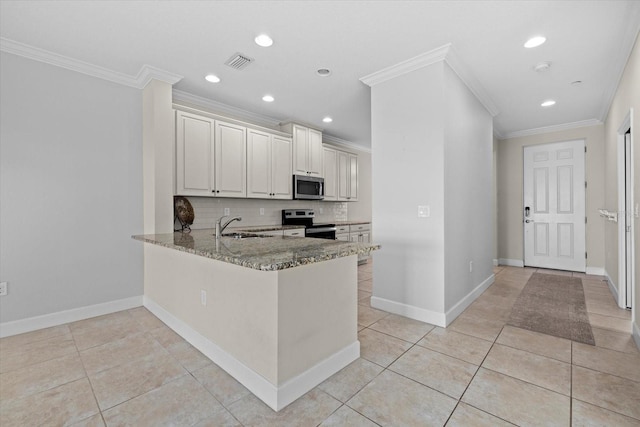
465,302
61,317
612,287
511,262
636,334
274,396
596,271
496,262
410,311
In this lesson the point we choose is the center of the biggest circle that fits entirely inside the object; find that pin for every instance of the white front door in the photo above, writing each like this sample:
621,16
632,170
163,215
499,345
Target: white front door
554,206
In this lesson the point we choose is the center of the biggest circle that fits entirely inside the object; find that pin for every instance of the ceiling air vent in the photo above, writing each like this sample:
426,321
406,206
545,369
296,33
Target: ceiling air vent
238,61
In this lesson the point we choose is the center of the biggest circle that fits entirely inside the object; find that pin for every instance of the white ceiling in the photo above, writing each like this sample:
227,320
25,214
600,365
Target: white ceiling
586,40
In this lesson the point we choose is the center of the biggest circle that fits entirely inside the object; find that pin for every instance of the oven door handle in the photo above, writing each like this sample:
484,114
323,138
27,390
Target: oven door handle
320,230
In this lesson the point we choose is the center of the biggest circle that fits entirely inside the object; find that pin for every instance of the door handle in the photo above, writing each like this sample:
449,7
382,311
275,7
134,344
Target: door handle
528,221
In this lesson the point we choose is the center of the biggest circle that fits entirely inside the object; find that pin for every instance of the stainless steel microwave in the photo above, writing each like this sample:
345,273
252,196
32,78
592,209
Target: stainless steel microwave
308,187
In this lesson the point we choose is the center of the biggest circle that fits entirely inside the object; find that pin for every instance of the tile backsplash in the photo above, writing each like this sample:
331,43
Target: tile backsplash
208,210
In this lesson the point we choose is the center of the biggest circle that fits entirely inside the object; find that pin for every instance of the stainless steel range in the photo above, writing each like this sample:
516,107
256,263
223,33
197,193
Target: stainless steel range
305,217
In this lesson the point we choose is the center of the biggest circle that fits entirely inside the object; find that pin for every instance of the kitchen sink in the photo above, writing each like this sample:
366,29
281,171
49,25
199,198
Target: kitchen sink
241,235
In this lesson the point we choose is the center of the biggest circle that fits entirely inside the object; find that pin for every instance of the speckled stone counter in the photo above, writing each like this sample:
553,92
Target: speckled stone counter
259,253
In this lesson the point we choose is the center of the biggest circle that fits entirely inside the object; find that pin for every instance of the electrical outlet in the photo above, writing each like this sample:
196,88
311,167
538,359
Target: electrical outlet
227,211
470,266
424,211
203,297
321,211
261,211
3,288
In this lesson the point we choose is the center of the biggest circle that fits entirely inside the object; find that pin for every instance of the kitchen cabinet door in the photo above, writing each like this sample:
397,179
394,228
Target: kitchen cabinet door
268,166
300,150
353,177
281,174
347,176
258,164
194,155
316,157
294,232
307,150
330,174
230,160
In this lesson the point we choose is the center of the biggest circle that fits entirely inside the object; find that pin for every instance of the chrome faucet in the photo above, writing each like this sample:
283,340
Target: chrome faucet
220,228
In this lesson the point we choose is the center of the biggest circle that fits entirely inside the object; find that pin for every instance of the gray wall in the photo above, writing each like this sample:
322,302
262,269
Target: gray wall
468,195
70,189
432,145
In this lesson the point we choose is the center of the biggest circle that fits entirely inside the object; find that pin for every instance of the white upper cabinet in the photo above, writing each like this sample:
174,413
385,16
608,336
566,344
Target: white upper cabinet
347,176
281,174
315,153
307,150
268,166
210,157
330,173
194,155
230,160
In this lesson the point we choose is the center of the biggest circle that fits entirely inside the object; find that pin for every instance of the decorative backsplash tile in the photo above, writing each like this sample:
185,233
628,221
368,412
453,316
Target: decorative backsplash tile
208,210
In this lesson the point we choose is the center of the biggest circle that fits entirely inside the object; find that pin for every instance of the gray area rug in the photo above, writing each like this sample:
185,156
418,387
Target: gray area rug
553,305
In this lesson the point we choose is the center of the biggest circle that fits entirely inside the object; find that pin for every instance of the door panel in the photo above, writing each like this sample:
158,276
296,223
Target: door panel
231,160
194,153
554,191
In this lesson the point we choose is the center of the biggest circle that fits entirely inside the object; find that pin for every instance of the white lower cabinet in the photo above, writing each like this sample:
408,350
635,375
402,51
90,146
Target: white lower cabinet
294,232
360,233
268,166
342,233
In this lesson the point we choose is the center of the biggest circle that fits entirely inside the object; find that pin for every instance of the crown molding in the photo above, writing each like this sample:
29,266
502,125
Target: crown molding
446,54
182,97
407,66
144,76
148,73
467,77
554,128
624,52
343,143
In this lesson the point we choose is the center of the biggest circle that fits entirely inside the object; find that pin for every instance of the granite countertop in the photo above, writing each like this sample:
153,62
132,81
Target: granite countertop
261,253
351,222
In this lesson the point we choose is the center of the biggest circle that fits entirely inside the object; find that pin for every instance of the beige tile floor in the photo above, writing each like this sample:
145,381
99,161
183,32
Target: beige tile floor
128,368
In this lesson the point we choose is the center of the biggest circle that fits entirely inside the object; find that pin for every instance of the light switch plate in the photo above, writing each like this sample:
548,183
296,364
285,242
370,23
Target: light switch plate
424,211
227,211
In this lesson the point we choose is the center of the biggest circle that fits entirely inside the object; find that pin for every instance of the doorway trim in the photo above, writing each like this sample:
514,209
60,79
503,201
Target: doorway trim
627,124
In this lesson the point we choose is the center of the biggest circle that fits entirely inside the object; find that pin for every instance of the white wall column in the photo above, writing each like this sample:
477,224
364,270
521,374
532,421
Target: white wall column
157,157
432,189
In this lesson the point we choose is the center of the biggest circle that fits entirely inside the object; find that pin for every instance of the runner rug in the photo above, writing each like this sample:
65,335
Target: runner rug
553,305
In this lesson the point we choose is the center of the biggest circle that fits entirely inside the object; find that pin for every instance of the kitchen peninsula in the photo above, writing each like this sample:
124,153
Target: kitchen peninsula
277,313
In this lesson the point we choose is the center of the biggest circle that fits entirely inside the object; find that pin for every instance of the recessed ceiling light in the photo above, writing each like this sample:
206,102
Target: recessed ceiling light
211,78
323,72
543,66
268,98
535,42
327,119
548,103
264,40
